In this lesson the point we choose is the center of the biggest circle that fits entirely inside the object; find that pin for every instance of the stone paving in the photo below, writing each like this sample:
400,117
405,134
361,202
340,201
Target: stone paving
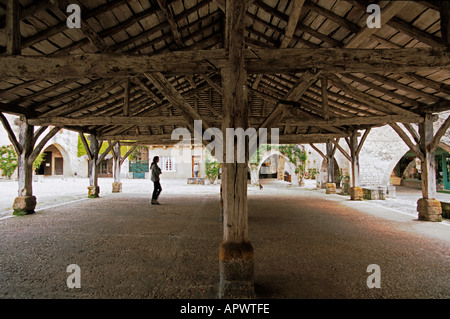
307,245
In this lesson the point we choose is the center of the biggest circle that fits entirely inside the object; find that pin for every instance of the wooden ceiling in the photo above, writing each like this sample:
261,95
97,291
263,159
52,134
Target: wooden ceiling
136,69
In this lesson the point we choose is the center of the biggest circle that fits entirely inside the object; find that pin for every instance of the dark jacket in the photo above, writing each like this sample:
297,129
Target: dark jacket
156,171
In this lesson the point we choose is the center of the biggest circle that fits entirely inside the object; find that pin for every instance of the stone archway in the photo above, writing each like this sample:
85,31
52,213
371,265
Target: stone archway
59,162
254,169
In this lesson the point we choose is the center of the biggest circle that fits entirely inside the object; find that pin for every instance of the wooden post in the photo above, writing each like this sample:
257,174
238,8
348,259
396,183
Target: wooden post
235,252
330,186
13,43
428,207
26,152
25,203
93,189
117,185
356,192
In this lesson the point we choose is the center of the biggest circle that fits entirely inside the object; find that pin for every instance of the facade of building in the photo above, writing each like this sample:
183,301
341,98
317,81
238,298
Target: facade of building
384,160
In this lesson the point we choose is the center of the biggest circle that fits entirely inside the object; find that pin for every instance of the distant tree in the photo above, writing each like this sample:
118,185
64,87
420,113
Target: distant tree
8,160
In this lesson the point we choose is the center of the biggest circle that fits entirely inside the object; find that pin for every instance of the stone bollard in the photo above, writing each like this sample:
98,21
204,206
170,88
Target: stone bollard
356,193
330,188
236,271
93,191
24,205
429,210
117,187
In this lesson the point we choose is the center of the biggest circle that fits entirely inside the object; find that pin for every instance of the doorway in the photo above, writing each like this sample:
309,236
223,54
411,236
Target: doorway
59,166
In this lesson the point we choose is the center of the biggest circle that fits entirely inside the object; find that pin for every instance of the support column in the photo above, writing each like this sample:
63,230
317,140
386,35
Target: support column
117,185
235,252
93,189
330,186
428,207
25,203
356,192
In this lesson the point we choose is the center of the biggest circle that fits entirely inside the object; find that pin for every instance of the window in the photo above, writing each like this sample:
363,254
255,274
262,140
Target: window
168,164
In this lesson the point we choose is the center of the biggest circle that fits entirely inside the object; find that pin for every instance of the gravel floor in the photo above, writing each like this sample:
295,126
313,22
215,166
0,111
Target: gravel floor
307,245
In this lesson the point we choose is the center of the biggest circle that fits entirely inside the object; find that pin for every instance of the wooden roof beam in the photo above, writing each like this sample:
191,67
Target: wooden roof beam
207,61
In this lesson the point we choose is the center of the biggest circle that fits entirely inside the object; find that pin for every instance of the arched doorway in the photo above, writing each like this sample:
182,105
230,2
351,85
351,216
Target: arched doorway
55,162
407,171
288,167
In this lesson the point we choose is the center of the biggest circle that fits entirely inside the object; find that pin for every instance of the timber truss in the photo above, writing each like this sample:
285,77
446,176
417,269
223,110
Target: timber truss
136,70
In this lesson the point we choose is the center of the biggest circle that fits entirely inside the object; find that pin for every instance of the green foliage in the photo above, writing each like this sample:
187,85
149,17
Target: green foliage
344,177
136,154
38,161
81,151
255,159
212,168
296,156
313,173
8,160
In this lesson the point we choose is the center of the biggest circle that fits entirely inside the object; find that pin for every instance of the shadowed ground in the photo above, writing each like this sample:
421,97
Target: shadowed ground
307,245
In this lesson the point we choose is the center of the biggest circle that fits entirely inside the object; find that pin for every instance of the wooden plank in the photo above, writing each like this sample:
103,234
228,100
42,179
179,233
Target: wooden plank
407,141
39,147
444,7
428,161
324,86
388,12
363,139
126,99
206,61
354,158
86,146
172,23
105,152
318,151
297,6
234,112
24,167
437,137
175,98
11,135
213,84
13,37
374,102
343,152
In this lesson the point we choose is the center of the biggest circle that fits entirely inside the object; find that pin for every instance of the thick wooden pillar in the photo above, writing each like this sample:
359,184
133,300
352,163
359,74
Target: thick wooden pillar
13,39
117,184
330,186
25,203
356,192
94,147
26,151
235,252
429,209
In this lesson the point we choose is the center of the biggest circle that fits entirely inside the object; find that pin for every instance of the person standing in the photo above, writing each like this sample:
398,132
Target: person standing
196,169
155,172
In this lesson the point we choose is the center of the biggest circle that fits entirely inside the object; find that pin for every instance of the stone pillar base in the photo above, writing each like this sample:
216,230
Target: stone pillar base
330,188
429,210
93,191
117,187
356,193
24,205
236,271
